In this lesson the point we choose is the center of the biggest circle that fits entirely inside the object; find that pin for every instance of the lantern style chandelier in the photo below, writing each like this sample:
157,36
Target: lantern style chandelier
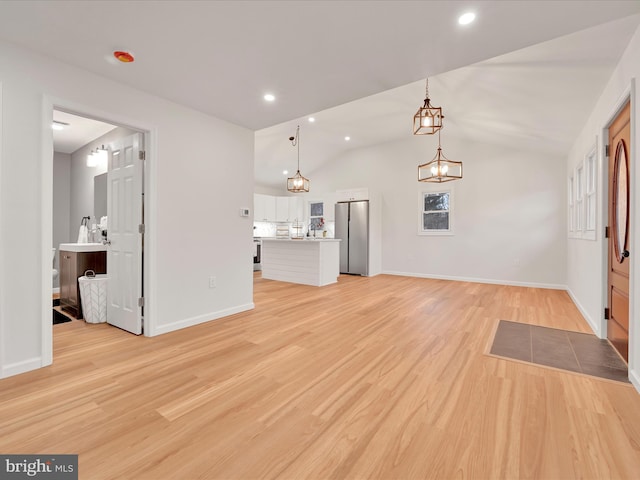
440,169
297,183
428,119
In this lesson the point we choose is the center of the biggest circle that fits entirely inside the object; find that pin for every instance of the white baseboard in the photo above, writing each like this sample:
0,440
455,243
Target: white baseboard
594,326
551,286
190,322
635,380
21,367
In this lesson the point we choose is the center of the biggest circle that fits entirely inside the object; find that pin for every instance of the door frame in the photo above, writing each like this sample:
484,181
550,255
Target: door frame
628,95
150,136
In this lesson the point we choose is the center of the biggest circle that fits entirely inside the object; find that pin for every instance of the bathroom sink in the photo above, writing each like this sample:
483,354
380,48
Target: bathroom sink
83,247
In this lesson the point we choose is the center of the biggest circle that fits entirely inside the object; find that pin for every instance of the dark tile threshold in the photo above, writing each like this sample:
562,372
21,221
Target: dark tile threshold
566,350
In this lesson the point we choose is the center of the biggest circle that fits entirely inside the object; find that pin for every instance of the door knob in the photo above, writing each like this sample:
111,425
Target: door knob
625,253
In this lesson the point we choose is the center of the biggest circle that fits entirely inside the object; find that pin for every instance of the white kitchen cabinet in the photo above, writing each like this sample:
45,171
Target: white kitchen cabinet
352,194
282,209
296,210
264,208
330,200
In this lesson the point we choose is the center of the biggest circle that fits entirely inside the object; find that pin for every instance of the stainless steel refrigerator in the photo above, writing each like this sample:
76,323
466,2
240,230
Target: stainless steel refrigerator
352,227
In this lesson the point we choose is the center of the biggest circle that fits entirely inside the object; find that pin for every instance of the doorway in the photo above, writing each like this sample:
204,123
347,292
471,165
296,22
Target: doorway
79,138
618,264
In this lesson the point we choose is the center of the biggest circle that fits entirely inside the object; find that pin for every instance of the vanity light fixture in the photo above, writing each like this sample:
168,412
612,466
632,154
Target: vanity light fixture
102,155
440,169
428,119
297,183
92,159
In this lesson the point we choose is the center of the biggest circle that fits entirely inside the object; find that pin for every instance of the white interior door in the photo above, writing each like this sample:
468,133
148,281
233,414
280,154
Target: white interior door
124,240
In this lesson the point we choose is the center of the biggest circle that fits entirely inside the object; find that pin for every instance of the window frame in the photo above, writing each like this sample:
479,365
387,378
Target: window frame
571,206
314,219
591,193
450,211
579,201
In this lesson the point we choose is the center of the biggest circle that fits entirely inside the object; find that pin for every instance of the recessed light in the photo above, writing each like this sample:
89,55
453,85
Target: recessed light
466,18
311,119
347,138
285,172
269,97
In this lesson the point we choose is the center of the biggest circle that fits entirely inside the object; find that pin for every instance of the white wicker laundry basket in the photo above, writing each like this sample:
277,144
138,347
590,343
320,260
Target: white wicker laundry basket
93,294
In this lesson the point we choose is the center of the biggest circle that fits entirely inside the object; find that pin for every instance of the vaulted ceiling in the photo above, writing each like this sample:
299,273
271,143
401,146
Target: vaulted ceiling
221,57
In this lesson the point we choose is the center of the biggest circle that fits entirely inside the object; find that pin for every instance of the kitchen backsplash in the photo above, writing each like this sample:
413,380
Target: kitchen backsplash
268,229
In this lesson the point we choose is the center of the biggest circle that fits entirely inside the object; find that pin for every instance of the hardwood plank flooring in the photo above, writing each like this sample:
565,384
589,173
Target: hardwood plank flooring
377,378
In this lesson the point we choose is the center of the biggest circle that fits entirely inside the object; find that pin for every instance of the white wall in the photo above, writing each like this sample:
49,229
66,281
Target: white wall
82,178
586,260
61,203
194,227
509,210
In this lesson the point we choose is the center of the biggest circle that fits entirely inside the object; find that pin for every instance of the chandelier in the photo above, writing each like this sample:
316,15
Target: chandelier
297,183
428,119
440,169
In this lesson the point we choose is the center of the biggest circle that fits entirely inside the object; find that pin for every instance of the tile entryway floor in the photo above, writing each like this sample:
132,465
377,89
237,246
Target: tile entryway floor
566,350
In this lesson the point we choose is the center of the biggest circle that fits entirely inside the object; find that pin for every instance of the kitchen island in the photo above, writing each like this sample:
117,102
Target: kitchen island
309,262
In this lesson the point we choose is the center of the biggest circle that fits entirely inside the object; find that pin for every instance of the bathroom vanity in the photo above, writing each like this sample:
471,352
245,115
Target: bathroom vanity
75,259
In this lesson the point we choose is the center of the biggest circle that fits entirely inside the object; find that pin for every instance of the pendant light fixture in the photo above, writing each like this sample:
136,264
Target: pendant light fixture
428,119
297,183
440,169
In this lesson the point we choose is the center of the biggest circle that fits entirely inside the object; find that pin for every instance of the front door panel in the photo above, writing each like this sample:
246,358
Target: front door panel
619,241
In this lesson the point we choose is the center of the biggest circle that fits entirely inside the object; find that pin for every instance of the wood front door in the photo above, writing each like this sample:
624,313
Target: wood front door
619,241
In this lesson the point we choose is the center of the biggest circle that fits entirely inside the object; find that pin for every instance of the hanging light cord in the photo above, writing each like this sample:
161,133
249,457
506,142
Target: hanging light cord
295,141
426,94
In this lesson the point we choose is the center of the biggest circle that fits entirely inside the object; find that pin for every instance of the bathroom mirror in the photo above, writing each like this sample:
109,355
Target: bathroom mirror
100,196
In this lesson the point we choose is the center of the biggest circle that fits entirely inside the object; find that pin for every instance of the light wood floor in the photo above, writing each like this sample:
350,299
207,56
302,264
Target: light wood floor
372,378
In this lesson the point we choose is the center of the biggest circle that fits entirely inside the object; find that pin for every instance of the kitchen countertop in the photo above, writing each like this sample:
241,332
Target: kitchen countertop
82,247
305,239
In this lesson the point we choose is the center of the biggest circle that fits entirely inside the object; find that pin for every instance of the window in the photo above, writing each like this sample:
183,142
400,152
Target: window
316,216
435,215
579,198
572,213
591,172
583,196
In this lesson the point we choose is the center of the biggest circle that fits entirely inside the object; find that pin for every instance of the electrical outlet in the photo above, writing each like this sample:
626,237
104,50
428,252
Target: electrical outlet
212,282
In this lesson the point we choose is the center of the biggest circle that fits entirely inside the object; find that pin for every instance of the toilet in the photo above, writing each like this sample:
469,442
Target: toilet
53,260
